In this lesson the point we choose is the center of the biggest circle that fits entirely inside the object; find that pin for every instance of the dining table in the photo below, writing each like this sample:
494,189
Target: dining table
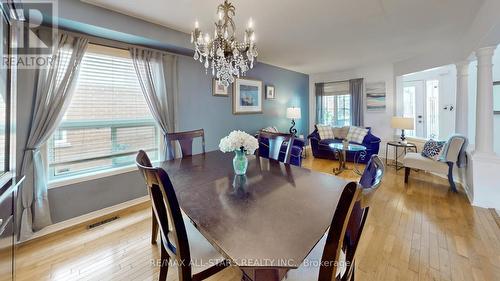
267,221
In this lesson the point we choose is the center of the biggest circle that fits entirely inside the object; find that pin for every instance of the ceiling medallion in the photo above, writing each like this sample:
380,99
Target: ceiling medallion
227,57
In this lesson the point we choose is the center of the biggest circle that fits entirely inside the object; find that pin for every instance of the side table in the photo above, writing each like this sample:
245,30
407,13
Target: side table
396,145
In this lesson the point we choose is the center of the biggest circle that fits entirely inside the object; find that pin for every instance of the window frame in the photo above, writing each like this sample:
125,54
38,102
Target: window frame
339,91
495,112
97,172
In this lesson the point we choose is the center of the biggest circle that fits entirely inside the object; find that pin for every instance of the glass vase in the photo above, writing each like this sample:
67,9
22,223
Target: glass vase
240,162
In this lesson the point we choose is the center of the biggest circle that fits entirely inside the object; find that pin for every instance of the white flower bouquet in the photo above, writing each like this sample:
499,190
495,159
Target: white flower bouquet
239,140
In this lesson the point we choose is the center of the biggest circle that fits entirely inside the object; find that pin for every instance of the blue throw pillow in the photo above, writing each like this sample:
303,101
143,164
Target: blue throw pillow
432,149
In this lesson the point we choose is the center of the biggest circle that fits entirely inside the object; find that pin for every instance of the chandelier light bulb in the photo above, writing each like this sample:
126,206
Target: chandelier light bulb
250,23
196,24
220,16
207,38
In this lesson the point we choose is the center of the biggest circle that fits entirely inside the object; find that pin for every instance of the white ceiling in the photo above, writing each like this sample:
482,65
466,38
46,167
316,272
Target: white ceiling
321,35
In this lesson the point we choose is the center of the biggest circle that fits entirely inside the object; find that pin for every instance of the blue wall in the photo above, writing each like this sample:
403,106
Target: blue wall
199,109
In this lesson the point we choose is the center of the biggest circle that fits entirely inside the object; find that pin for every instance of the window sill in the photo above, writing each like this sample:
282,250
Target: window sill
90,176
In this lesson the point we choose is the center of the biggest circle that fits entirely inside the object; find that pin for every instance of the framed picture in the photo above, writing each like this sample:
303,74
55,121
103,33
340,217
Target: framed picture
247,96
219,90
375,96
270,92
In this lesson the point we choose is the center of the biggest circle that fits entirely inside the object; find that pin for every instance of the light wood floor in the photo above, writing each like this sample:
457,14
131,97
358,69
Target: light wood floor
415,232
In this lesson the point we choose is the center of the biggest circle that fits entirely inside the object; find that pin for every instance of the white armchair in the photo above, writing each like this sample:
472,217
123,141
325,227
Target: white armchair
453,153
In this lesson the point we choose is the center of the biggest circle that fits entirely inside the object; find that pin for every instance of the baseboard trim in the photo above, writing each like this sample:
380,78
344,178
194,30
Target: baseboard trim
93,217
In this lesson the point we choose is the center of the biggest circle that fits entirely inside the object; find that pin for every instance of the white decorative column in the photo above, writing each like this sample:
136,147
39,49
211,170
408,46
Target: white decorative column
484,162
462,104
484,101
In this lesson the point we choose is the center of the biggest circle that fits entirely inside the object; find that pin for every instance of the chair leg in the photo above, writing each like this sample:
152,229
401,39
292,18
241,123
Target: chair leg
164,259
407,174
154,228
450,177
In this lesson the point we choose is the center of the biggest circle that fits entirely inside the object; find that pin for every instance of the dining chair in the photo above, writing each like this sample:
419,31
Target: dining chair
195,257
274,143
143,160
333,256
185,140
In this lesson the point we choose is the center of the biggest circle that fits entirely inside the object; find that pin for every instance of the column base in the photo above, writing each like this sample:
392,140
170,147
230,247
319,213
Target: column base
485,180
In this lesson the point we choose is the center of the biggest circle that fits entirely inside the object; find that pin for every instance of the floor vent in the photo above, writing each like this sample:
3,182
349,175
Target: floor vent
99,223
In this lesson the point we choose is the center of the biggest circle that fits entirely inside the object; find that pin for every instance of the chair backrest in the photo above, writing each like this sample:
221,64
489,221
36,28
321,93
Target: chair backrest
185,140
453,147
349,221
167,212
274,143
373,173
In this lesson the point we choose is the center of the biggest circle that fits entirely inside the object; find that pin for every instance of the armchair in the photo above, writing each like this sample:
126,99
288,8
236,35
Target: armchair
453,153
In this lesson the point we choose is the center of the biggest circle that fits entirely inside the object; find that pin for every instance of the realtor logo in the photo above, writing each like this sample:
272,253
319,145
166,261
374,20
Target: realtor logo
32,41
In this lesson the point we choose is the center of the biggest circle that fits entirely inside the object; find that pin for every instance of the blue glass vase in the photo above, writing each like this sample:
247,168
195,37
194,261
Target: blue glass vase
240,162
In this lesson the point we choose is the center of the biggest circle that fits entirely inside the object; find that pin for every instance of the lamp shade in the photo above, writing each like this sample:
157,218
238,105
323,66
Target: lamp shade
293,113
404,123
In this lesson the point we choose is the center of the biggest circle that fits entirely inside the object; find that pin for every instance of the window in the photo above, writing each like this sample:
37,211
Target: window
6,95
336,104
107,121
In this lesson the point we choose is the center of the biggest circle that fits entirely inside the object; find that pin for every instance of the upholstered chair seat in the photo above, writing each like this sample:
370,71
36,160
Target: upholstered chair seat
417,161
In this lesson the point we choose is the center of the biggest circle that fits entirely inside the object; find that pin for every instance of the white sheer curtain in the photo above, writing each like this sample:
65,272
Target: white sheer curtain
157,74
54,89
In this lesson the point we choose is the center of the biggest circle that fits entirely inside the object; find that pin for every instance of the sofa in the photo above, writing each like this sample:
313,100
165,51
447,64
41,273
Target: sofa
320,147
297,148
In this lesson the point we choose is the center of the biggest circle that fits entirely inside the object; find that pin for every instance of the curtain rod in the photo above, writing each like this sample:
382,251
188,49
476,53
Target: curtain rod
339,81
96,40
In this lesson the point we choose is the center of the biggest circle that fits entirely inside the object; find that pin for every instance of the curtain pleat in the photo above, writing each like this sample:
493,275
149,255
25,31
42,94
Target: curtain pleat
54,89
320,93
357,105
157,74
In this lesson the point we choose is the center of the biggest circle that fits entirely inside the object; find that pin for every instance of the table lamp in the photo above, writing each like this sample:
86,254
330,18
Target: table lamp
293,113
403,123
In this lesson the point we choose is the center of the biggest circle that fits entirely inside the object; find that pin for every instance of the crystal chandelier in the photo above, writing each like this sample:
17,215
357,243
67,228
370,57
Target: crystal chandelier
224,54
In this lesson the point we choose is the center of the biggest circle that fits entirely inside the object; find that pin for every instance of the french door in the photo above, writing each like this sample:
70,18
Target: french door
421,101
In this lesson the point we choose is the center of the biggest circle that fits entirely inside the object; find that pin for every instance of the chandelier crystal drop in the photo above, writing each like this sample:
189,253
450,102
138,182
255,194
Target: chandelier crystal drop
224,55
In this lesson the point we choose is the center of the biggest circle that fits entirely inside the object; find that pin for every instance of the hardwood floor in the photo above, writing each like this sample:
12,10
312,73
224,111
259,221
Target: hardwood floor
416,232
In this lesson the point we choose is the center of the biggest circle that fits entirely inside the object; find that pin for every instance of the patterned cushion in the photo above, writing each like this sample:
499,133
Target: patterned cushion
325,132
432,149
357,134
341,132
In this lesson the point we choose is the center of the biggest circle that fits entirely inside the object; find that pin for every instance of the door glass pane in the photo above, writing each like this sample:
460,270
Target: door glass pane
409,105
432,108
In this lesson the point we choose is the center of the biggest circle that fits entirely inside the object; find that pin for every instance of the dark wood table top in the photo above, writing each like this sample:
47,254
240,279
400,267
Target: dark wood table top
273,216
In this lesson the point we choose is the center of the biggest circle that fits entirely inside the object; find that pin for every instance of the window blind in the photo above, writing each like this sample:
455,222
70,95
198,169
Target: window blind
337,88
107,121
